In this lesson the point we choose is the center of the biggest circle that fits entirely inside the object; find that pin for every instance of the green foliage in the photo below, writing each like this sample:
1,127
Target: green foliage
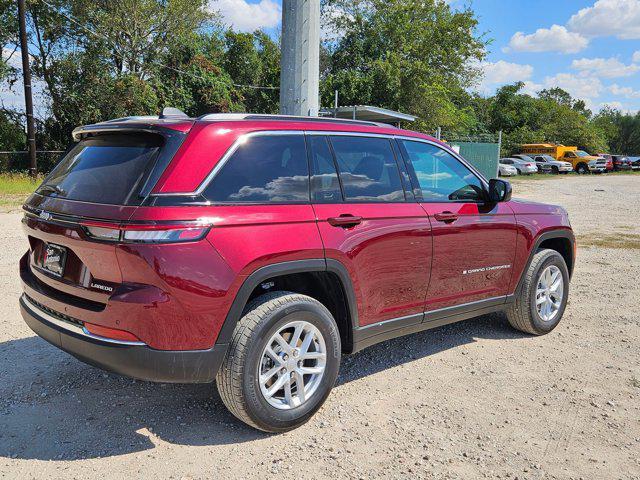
553,116
403,55
8,29
621,130
12,135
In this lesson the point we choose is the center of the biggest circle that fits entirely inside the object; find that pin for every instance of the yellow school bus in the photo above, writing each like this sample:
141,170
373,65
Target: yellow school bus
578,158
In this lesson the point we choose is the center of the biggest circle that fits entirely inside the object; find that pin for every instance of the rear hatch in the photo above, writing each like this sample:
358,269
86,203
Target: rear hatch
99,183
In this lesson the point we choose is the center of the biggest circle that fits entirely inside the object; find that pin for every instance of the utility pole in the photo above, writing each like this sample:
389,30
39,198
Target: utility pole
28,94
300,60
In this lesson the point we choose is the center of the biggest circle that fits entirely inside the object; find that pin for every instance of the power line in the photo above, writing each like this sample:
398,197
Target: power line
177,70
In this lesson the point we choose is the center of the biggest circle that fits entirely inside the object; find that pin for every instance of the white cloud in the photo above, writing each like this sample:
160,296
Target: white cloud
608,17
578,87
626,92
554,39
615,105
532,88
586,89
501,72
604,67
247,17
636,56
12,57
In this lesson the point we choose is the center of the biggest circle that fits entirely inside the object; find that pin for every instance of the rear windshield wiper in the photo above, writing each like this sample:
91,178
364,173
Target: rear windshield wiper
53,188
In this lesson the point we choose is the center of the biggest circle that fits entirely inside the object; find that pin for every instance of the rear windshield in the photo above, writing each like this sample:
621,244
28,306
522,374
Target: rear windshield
108,169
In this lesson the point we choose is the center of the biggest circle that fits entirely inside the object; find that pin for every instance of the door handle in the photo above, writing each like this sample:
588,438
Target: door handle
344,221
446,217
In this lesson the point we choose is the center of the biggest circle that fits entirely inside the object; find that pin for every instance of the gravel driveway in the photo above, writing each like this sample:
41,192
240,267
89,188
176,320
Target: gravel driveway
474,399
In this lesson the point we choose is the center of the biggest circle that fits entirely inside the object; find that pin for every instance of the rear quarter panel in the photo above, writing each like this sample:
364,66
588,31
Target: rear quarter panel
242,239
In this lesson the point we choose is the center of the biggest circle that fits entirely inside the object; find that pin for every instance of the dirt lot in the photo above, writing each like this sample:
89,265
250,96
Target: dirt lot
469,400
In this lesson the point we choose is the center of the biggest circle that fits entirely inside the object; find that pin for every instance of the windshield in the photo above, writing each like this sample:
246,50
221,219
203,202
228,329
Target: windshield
108,169
582,153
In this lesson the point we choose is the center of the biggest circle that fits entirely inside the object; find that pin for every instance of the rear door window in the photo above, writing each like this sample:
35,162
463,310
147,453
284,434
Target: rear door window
325,187
368,169
108,169
263,169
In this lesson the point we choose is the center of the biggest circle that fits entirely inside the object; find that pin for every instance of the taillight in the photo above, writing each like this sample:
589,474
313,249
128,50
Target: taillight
145,233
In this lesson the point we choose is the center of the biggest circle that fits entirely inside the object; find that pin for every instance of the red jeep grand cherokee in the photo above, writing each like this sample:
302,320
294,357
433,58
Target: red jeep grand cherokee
256,250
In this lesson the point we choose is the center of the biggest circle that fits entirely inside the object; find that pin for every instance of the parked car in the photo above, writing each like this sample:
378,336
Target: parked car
257,250
609,158
635,163
548,164
505,170
621,162
580,160
598,166
523,167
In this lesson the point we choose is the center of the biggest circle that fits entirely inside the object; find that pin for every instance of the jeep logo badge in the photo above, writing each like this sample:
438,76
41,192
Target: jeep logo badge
44,215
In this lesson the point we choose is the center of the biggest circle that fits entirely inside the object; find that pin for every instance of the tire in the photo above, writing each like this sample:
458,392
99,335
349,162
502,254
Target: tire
238,378
582,169
555,171
523,313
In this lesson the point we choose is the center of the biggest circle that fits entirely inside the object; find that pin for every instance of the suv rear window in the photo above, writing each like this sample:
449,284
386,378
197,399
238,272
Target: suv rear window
267,168
108,169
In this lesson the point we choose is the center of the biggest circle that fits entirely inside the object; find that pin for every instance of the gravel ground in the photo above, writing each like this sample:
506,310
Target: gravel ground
474,399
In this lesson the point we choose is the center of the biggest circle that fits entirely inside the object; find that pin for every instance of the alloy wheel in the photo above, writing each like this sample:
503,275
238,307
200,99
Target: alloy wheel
292,365
549,293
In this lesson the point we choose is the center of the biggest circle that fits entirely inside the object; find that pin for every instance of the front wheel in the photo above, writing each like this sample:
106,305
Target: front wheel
541,302
282,362
582,169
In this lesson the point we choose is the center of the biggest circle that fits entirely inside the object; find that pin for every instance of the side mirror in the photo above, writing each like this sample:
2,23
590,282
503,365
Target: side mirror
499,190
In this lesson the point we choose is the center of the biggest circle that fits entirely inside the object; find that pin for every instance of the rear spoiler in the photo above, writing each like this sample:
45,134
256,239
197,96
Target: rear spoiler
134,124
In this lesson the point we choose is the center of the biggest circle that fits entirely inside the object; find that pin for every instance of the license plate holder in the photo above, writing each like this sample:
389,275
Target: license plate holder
54,259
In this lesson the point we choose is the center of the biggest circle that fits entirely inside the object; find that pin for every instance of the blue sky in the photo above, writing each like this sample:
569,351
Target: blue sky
591,48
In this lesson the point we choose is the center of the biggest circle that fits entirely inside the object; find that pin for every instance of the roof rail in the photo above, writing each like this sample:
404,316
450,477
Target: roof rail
289,118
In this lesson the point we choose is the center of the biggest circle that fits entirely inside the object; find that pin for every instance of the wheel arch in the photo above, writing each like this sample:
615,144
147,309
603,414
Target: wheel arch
326,280
560,240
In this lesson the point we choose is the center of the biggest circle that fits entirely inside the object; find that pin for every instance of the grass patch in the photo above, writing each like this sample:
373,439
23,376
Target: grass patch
635,382
18,184
615,240
14,189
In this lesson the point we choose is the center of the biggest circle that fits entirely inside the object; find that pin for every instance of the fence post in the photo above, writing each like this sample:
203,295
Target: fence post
439,133
499,153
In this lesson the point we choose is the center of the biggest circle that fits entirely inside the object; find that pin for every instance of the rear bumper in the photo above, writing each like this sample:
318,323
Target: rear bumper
132,359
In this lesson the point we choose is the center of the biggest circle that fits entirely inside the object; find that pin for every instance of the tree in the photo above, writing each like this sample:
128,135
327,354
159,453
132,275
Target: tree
108,58
553,116
253,59
621,130
404,55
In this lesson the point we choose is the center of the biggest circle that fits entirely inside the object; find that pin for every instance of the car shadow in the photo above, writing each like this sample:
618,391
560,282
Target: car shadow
53,407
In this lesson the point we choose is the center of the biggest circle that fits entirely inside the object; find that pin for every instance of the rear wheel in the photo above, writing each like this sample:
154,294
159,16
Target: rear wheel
282,362
542,300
